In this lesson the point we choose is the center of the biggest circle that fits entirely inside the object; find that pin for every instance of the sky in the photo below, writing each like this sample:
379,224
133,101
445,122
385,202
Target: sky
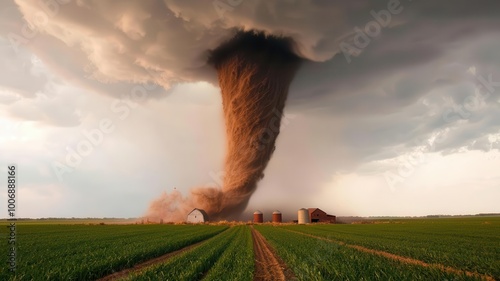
105,105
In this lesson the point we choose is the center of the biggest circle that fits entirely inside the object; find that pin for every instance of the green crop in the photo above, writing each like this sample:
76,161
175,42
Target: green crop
66,251
228,256
237,262
471,244
87,252
315,259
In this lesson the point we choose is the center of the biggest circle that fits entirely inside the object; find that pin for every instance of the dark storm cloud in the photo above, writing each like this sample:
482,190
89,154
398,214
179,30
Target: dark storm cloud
413,58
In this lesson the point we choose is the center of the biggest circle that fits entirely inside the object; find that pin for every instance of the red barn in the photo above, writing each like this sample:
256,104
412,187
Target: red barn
318,215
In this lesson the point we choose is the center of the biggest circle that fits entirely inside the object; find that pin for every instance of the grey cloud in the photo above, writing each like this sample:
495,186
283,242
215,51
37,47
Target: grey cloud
172,37
423,54
53,112
482,144
17,71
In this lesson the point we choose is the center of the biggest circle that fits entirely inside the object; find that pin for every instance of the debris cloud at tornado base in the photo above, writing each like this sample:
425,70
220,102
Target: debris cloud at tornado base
254,73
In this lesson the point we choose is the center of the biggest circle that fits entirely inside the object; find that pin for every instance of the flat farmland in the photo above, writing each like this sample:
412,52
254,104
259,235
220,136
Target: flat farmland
424,249
314,259
88,252
228,256
471,244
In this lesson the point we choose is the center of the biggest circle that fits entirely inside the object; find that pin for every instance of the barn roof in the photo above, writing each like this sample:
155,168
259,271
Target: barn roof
312,210
203,213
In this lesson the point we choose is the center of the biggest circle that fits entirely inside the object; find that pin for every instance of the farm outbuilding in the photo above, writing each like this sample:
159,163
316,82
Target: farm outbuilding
197,216
277,216
258,217
318,215
303,216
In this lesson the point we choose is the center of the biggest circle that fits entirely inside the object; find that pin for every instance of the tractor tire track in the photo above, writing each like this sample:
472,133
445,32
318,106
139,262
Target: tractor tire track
126,272
268,266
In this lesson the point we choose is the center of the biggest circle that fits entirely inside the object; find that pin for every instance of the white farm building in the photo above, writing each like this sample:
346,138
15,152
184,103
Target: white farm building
197,216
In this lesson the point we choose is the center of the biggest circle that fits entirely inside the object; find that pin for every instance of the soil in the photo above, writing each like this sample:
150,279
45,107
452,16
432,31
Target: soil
137,267
268,265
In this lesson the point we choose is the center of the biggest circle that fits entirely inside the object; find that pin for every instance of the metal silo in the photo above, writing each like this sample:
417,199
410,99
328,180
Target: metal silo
304,216
276,216
258,217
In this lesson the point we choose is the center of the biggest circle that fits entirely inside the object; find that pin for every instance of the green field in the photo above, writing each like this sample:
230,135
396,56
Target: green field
87,252
471,244
229,255
50,251
313,259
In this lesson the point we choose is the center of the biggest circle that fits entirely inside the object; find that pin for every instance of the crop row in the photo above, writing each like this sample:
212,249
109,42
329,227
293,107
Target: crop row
462,244
228,256
83,252
316,259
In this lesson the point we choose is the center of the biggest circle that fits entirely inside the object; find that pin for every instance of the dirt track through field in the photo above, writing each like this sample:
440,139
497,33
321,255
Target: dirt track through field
268,266
403,259
124,273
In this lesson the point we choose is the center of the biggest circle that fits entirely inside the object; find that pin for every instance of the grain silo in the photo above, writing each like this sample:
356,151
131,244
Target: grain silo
303,216
258,217
277,216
